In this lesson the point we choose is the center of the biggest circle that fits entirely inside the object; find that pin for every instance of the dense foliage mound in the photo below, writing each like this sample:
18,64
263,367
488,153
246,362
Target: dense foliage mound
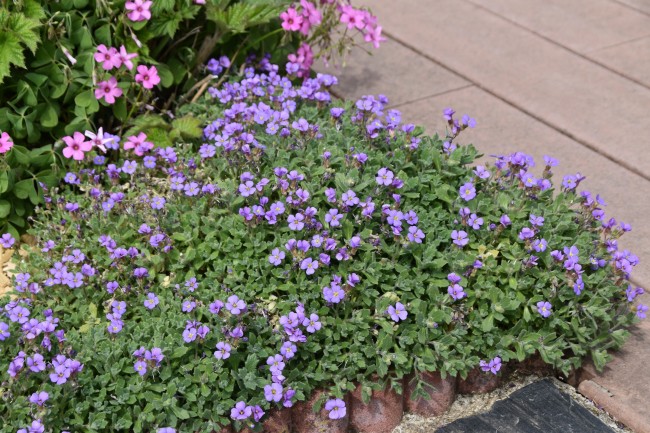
301,244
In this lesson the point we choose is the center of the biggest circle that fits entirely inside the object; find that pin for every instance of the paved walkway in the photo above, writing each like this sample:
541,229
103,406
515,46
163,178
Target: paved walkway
567,78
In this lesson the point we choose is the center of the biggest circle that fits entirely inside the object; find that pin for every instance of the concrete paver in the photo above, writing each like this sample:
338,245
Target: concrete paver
586,27
640,5
632,59
623,389
379,74
581,25
568,92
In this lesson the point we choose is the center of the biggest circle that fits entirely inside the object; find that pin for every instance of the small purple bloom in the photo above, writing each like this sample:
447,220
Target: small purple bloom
544,308
460,237
467,191
336,408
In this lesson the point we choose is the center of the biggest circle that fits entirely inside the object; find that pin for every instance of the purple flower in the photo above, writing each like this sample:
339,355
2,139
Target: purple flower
140,367
332,217
141,273
158,202
273,392
398,312
151,301
475,222
189,335
569,182
166,430
129,167
312,323
309,265
115,326
296,222
460,237
246,189
188,306
223,350
540,245
336,408
36,363
154,355
641,311
4,331
235,305
288,350
526,233
544,308
456,292
494,365
537,221
60,375
467,191
241,411
334,293
504,220
19,314
276,257
7,241
39,398
384,177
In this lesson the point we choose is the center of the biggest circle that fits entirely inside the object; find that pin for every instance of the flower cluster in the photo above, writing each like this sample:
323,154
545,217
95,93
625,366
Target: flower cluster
296,245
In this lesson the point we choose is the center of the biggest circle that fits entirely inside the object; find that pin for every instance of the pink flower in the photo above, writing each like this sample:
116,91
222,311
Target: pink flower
138,143
291,21
71,59
139,10
311,16
125,58
374,35
77,145
304,58
199,2
5,143
147,76
108,57
352,17
98,140
108,90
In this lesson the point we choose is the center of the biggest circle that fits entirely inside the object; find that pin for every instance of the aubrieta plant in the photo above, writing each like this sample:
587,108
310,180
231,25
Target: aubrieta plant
301,244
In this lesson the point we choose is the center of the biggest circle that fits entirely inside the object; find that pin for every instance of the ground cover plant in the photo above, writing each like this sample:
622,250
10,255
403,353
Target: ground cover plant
301,244
89,66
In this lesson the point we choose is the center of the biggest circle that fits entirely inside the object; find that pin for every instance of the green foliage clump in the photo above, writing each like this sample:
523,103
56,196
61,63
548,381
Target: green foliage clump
292,211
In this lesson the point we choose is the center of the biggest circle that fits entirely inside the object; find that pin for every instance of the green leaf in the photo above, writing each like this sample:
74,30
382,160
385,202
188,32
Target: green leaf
188,127
85,98
49,117
24,188
4,181
166,76
5,208
119,109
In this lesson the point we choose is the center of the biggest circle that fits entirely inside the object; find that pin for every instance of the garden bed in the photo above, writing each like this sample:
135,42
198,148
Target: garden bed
301,253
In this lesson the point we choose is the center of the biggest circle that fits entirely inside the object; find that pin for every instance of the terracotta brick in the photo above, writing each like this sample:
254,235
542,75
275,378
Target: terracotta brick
442,393
382,413
305,420
478,382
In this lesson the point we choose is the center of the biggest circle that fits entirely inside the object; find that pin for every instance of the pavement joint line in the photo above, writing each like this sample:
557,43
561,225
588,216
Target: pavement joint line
632,7
532,115
618,44
434,95
560,45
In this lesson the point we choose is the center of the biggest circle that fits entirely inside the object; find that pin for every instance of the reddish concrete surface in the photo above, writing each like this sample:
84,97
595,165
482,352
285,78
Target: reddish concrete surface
564,90
529,73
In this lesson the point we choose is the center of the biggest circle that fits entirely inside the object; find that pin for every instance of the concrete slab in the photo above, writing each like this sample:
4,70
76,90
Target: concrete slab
623,389
537,408
632,59
640,5
567,92
384,72
504,129
581,25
